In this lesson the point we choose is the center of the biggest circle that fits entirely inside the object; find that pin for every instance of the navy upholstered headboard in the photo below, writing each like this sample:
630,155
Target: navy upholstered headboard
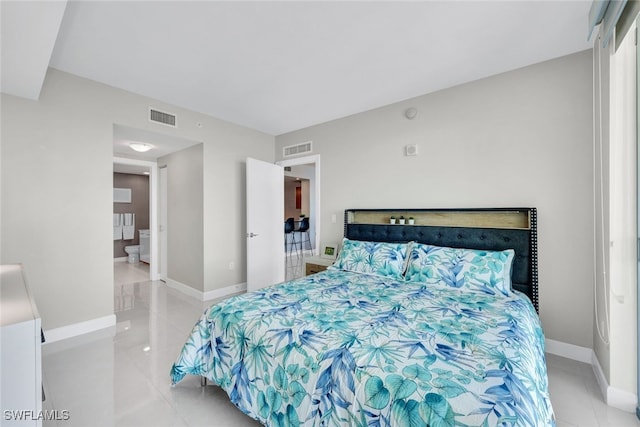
489,229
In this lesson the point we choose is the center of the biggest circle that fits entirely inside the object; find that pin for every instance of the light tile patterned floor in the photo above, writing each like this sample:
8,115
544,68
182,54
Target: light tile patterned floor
576,397
120,378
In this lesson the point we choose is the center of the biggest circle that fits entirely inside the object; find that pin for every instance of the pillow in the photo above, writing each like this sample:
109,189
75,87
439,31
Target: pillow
430,263
382,259
486,271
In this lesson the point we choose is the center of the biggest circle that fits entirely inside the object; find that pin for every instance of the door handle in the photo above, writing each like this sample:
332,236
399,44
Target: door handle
251,235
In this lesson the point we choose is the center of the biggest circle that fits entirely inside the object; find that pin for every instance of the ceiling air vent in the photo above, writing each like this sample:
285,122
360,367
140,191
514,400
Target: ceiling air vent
292,150
162,117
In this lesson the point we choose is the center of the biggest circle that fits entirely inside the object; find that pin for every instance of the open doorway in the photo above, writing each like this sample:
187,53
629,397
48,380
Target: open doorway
302,203
308,169
127,160
135,220
297,203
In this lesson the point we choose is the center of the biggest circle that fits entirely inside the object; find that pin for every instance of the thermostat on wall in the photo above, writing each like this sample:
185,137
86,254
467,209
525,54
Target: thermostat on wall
411,150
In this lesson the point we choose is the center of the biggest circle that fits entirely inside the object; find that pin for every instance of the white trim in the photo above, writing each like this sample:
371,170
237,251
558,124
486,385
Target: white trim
80,328
600,377
621,399
185,289
162,240
120,259
208,295
154,254
569,351
614,397
223,292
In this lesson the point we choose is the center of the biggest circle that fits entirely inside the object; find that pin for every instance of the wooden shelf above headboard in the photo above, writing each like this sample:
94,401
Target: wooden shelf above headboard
483,218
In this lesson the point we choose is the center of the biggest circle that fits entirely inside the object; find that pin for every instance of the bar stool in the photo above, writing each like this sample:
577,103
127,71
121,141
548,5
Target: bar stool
289,227
304,230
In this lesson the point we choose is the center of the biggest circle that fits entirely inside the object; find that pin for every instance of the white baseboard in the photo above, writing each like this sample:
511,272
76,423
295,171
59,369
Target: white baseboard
120,259
621,399
223,292
569,351
80,328
600,377
185,289
208,295
614,397
93,325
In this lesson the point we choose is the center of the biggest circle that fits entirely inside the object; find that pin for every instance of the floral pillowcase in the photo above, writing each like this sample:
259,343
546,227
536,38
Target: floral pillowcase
379,258
485,271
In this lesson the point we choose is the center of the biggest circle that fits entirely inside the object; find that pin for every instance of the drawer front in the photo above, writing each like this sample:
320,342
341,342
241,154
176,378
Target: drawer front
311,268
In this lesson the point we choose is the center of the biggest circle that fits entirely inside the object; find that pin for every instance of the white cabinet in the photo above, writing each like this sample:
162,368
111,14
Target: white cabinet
20,346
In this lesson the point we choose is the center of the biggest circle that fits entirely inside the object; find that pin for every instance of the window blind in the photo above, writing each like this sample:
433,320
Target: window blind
605,13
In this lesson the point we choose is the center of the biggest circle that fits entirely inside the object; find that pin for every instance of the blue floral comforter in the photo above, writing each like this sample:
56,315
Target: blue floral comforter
340,348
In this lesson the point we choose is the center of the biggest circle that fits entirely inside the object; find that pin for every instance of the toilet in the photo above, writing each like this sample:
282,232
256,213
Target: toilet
133,253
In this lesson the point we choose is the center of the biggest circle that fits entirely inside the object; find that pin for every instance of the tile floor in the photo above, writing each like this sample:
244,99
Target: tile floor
120,378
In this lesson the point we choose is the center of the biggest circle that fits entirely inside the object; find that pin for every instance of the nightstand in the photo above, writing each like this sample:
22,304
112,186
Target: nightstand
316,264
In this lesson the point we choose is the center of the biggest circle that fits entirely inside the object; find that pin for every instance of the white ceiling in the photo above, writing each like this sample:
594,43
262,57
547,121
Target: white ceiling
278,66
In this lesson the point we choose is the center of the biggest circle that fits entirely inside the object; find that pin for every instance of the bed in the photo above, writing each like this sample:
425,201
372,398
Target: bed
431,324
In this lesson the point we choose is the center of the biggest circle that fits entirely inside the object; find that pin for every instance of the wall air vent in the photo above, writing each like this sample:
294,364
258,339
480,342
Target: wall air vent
162,117
293,150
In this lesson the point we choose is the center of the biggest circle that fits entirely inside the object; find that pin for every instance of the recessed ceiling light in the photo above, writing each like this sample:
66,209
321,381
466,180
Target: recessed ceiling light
140,147
146,173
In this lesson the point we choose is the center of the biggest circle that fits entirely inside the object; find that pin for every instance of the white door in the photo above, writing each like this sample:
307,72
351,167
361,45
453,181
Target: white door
265,224
162,223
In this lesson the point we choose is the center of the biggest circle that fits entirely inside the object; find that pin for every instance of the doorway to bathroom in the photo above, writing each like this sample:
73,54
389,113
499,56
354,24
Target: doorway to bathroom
131,214
135,219
150,236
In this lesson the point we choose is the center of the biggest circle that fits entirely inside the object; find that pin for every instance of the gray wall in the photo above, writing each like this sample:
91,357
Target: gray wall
185,216
139,185
522,138
50,217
